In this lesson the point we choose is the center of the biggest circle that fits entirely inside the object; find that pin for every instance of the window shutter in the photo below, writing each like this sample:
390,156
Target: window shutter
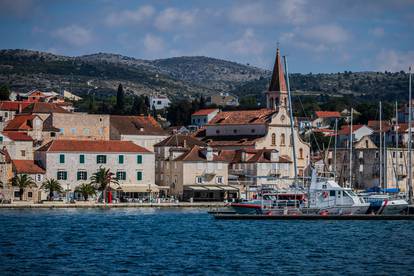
121,159
139,175
139,159
62,158
82,159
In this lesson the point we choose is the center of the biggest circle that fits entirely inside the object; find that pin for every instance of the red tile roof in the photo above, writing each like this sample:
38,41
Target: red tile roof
197,153
17,136
252,156
136,125
13,105
345,130
92,146
20,122
180,140
327,114
40,107
243,117
26,166
375,125
203,112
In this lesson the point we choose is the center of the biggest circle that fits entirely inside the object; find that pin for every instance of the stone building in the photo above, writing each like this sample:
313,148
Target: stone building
73,162
142,130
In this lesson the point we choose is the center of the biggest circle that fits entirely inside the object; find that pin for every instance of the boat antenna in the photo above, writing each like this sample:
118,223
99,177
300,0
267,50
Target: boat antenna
380,142
396,146
350,149
409,179
334,157
291,120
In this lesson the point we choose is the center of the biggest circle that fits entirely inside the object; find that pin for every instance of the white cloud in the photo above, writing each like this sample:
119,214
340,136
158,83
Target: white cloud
329,34
130,16
172,18
74,35
378,32
392,60
286,11
247,44
153,44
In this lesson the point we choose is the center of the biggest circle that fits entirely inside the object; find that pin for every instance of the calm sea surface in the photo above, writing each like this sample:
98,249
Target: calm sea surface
189,241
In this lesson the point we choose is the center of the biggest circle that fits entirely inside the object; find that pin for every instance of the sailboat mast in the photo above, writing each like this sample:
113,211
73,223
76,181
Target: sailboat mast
336,135
380,142
350,150
291,120
396,144
409,179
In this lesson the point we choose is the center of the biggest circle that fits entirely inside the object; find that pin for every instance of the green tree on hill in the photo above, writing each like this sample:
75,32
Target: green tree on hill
4,92
120,100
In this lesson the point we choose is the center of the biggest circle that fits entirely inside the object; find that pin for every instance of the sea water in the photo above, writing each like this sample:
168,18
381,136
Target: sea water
189,241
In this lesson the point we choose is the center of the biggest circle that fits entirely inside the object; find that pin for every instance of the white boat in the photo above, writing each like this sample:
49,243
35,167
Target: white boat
384,204
327,197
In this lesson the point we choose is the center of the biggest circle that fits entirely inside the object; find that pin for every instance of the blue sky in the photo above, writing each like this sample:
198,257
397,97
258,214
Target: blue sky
316,35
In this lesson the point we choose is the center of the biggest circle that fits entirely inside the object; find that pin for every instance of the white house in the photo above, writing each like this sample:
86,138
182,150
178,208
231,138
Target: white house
358,131
203,116
159,102
73,162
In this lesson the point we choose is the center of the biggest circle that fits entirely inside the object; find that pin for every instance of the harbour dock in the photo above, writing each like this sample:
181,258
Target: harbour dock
312,217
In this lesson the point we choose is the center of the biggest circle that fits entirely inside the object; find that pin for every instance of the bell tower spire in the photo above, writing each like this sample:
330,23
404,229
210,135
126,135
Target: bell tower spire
277,96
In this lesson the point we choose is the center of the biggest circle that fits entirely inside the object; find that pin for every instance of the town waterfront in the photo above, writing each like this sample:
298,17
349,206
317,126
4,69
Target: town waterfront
189,241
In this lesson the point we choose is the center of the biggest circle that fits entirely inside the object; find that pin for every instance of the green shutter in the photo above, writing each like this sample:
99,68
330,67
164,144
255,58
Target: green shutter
82,159
62,158
1,138
139,175
79,175
139,159
65,175
121,159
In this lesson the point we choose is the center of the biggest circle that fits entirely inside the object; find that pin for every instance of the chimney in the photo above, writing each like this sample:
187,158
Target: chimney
185,143
243,156
209,154
274,156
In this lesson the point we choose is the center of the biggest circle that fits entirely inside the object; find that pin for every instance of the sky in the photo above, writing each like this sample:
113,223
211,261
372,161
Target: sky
317,36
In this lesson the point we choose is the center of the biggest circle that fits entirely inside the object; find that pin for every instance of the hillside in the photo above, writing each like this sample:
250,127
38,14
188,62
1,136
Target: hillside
179,77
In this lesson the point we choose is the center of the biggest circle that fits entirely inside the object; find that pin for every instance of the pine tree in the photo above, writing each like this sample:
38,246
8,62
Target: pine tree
4,93
120,100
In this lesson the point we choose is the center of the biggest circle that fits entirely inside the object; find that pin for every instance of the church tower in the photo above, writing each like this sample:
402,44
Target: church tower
277,95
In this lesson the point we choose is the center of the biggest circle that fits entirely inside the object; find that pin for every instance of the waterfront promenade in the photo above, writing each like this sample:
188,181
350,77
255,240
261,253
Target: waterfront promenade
54,204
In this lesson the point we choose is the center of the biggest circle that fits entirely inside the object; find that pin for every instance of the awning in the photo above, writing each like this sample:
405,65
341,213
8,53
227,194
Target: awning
214,188
228,188
140,188
195,188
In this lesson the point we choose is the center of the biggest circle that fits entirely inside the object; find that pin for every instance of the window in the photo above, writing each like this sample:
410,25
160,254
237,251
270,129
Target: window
82,159
273,139
62,175
16,194
121,175
300,172
29,194
300,153
393,154
1,138
139,175
199,180
101,131
73,131
121,159
38,177
6,114
253,130
139,159
234,131
23,153
331,193
82,175
61,158
101,159
282,139
366,144
52,134
62,130
401,154
219,180
217,131
86,131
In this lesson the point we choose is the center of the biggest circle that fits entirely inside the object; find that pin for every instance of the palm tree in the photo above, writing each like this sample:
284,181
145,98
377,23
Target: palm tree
51,185
86,189
23,181
102,179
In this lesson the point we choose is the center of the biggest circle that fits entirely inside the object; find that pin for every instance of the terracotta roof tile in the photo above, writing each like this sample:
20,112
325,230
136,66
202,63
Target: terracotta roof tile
347,128
26,166
17,136
92,146
327,114
136,125
197,153
243,117
180,140
13,105
277,82
205,111
20,122
40,107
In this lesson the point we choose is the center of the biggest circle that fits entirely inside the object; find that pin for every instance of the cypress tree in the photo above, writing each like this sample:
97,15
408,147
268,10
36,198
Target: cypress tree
120,100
